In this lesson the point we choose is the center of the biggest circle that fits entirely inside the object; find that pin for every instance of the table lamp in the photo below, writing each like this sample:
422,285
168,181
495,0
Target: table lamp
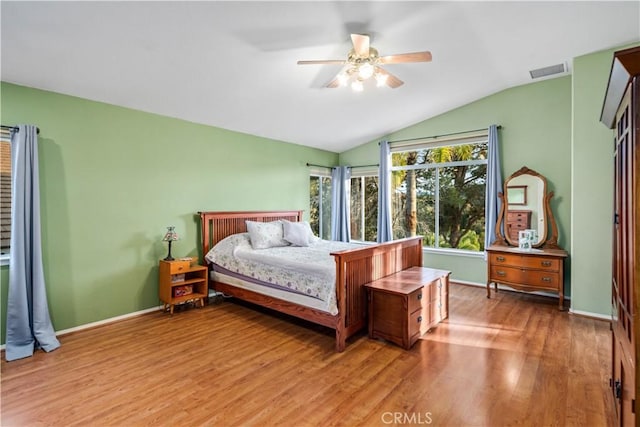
170,236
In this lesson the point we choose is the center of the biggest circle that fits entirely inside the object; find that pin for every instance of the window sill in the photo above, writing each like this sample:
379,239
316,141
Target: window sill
454,252
4,259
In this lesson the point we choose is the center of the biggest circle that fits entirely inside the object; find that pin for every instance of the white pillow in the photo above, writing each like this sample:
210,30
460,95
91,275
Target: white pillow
265,235
298,233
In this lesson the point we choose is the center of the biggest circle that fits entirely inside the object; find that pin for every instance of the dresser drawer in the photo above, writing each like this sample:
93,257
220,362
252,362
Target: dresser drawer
537,278
524,261
518,219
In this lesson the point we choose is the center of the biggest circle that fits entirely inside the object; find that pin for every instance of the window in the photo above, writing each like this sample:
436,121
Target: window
364,208
438,191
5,192
320,205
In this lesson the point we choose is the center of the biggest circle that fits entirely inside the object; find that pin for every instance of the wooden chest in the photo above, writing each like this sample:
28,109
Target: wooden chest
405,305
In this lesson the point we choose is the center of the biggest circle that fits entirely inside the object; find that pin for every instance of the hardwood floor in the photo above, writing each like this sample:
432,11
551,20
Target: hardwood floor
513,359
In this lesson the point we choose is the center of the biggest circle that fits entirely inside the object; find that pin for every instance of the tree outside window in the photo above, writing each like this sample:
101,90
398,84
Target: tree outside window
364,208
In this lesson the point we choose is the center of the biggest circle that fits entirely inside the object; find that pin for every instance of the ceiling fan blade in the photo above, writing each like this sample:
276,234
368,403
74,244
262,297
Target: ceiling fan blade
323,61
392,81
406,57
360,45
333,83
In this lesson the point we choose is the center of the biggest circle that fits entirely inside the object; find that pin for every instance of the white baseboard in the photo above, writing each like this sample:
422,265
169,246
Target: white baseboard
507,288
589,314
102,322
546,294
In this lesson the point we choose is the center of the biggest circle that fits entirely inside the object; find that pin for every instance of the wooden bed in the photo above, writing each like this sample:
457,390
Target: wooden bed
354,269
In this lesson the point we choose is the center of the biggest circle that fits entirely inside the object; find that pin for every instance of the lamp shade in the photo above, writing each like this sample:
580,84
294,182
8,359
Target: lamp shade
170,235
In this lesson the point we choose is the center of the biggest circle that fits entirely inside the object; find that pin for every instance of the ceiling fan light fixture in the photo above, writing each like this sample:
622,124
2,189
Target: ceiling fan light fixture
381,79
365,71
343,79
357,85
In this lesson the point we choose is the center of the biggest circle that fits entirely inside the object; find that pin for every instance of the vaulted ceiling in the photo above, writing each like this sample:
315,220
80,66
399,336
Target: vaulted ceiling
233,64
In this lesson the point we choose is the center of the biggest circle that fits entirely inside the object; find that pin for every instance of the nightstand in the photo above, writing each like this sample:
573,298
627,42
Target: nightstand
406,304
179,282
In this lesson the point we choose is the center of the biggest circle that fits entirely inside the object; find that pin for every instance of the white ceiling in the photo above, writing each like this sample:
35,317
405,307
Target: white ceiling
233,64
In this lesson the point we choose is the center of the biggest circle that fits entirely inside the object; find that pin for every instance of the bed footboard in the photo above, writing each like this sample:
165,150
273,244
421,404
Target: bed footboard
357,267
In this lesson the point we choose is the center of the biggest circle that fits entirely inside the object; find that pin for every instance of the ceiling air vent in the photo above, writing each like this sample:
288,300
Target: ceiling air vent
548,71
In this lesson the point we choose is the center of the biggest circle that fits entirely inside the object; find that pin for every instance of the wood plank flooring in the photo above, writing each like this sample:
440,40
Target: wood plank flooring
510,360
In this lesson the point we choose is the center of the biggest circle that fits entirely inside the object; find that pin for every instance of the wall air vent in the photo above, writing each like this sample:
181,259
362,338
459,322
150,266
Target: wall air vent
548,71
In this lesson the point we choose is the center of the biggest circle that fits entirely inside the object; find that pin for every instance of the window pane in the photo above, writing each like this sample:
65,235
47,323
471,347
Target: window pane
314,204
326,208
370,208
413,204
356,209
461,216
444,204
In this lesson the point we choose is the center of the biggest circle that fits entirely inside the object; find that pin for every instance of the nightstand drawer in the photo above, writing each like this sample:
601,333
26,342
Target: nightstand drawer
176,267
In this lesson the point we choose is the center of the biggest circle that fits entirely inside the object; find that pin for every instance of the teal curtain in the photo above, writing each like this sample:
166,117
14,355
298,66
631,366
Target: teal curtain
28,322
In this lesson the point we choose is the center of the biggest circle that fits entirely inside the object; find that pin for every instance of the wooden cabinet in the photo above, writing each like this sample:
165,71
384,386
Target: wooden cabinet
179,281
621,112
405,305
517,221
533,270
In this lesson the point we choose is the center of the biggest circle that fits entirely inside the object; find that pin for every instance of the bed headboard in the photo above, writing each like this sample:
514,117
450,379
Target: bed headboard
218,225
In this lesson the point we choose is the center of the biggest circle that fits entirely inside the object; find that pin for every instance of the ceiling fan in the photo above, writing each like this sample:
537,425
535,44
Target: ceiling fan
363,62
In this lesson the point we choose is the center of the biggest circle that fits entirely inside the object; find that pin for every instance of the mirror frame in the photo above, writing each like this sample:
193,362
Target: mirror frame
545,243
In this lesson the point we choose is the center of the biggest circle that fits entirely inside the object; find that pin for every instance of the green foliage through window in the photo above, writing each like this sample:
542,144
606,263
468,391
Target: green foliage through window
441,192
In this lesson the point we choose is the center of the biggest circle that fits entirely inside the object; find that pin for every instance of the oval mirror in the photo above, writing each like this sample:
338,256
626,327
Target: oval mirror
525,193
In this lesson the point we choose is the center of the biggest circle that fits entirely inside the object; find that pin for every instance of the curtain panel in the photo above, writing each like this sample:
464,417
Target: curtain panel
29,325
340,203
385,232
494,186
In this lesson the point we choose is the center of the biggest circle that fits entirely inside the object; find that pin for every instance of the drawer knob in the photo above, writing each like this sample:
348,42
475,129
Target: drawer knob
419,319
546,279
419,296
500,258
501,273
546,263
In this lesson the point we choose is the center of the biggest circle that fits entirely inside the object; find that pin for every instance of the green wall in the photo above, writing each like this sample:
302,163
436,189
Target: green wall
592,170
536,132
112,179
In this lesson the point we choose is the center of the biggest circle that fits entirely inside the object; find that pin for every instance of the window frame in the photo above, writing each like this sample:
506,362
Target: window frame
320,173
467,138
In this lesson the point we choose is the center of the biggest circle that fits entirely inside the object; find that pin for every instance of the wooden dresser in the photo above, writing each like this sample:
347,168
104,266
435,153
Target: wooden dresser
405,305
517,221
532,270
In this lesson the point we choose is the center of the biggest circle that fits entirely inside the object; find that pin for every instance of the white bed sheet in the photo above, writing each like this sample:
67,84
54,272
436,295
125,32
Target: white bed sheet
304,275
